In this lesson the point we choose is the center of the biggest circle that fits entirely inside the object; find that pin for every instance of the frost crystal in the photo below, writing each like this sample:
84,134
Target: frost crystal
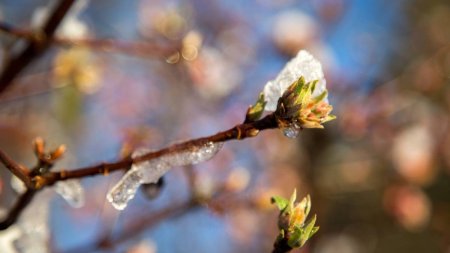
71,191
304,64
150,171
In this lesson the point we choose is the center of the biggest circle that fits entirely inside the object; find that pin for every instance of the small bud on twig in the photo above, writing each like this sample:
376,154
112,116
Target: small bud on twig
294,231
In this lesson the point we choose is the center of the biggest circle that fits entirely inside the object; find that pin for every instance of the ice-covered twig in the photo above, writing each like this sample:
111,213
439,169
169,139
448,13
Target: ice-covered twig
151,171
48,178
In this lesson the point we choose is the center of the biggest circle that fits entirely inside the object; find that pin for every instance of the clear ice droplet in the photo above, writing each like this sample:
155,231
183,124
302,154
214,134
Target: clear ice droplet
150,171
291,132
72,191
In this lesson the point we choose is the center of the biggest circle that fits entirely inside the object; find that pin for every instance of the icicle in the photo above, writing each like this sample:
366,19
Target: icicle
151,171
291,132
72,191
125,189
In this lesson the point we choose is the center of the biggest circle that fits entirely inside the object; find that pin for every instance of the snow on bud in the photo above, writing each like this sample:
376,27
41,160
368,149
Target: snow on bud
298,95
303,65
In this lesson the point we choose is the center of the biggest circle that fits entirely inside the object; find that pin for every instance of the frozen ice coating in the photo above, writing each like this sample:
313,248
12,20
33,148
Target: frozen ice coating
126,188
33,224
304,64
17,185
71,191
151,171
291,132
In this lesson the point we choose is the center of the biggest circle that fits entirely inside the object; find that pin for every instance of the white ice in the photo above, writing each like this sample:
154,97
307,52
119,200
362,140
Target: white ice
33,225
150,171
304,64
72,191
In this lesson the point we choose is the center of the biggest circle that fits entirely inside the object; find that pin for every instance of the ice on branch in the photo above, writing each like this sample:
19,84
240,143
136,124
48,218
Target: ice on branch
150,171
71,191
33,226
18,185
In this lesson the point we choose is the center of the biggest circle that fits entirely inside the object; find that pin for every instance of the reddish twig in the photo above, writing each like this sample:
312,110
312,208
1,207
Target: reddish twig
138,49
238,132
16,169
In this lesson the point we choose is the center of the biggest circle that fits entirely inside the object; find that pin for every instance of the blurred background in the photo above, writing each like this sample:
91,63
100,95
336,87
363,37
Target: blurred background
164,71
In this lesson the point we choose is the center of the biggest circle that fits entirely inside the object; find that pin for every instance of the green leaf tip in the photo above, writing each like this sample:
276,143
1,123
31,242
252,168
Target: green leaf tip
255,111
280,202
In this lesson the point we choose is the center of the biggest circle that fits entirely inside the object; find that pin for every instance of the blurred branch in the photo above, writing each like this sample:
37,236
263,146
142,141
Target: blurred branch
16,169
141,224
41,176
35,46
20,205
138,49
17,32
281,246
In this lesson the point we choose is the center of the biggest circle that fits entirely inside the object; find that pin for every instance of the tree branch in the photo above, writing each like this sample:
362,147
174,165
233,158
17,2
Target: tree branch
34,47
38,181
238,132
17,170
15,212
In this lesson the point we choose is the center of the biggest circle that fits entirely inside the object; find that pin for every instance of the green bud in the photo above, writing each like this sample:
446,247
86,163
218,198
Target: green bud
291,220
297,107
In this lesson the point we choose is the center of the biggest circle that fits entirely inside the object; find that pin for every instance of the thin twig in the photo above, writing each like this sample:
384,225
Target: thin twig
17,32
238,132
34,47
17,170
138,49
